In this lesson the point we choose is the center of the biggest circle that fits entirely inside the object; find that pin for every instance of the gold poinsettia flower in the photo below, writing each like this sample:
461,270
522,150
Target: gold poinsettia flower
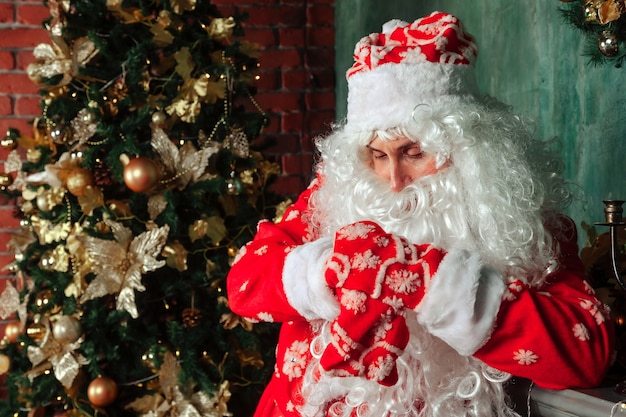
60,59
221,28
177,400
119,264
62,357
181,166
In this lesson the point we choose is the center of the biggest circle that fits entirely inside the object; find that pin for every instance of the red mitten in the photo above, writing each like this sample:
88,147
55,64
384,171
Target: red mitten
376,275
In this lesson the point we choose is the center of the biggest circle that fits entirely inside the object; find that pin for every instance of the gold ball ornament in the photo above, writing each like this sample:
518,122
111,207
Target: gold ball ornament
8,142
67,329
45,301
12,330
159,118
77,181
5,181
141,174
608,44
58,135
102,391
36,331
5,364
42,202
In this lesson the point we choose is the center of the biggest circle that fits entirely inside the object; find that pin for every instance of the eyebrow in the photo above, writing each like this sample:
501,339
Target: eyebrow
399,148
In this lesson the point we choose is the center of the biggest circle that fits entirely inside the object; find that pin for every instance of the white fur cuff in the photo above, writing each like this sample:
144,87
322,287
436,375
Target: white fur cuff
462,302
304,282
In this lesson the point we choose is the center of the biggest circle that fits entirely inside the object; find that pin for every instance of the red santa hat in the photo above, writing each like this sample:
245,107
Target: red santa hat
429,61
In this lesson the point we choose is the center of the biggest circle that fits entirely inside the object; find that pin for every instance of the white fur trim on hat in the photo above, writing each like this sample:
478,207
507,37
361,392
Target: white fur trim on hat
386,96
426,62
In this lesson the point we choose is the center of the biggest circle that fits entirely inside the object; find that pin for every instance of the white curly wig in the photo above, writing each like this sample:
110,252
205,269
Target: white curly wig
500,196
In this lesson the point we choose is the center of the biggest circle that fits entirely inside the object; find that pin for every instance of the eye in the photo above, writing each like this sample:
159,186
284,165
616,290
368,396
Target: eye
413,152
376,154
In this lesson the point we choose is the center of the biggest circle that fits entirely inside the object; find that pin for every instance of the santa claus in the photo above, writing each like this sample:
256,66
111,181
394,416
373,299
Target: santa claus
428,262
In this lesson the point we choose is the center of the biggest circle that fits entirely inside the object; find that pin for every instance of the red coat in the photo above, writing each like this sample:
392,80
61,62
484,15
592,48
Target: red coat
558,335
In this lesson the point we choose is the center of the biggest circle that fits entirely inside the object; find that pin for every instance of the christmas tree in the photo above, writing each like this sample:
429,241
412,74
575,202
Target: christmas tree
137,185
603,22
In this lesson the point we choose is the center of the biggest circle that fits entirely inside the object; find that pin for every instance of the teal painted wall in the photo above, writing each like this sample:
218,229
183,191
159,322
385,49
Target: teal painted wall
531,58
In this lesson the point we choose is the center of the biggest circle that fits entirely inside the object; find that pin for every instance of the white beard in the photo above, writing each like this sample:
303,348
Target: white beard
430,210
434,380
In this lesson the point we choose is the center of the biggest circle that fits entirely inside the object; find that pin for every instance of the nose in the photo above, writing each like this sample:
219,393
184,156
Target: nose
398,176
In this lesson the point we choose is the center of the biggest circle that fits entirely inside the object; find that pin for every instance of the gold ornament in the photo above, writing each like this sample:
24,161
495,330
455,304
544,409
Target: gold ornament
67,329
159,118
608,44
8,142
13,330
102,391
45,302
5,364
141,174
36,331
5,181
77,181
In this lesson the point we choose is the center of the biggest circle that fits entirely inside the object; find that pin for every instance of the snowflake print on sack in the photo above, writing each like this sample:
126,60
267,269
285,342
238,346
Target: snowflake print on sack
395,302
353,300
525,357
580,332
382,241
403,281
292,215
296,359
362,261
381,368
261,251
266,317
356,231
593,309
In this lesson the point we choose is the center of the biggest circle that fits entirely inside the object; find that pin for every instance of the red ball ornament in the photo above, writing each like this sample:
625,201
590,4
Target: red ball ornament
102,391
141,174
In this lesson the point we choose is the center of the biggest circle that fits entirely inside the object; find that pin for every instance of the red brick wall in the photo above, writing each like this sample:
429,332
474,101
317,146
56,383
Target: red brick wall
297,86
